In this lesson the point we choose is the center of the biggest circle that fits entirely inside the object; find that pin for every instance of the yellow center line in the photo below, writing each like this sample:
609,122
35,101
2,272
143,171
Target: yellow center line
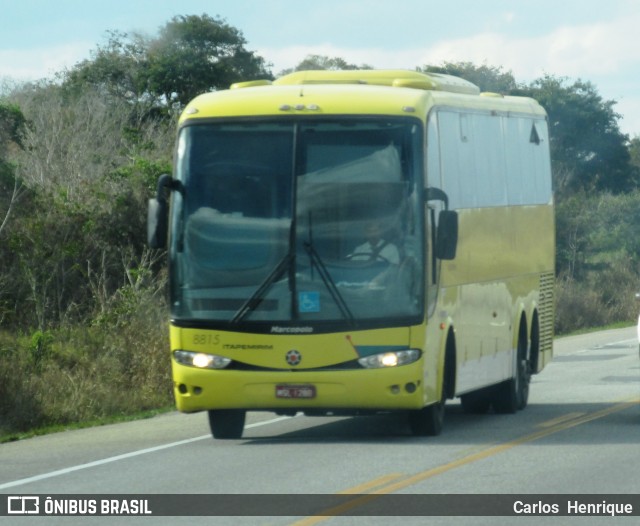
560,419
363,488
576,419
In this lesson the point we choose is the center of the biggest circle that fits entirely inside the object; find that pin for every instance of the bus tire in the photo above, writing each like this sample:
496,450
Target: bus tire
512,395
478,402
226,423
427,421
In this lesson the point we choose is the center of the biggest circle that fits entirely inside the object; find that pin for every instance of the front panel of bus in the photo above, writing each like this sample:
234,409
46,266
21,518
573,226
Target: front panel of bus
297,264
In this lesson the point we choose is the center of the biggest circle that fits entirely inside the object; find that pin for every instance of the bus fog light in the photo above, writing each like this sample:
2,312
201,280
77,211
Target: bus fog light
390,359
201,360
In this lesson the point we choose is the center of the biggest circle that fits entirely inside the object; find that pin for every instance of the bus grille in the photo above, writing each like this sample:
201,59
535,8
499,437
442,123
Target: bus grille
547,310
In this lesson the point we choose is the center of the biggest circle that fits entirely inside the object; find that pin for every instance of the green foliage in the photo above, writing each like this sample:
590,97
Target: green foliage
321,62
587,148
75,374
77,278
487,78
12,128
12,123
601,299
40,347
196,54
191,55
634,152
595,230
598,250
90,162
117,68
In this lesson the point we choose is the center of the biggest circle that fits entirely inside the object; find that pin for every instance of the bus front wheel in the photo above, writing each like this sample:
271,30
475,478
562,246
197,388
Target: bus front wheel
226,423
427,421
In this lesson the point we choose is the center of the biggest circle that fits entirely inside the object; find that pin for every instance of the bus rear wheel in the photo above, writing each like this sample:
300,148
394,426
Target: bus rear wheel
226,423
512,395
477,403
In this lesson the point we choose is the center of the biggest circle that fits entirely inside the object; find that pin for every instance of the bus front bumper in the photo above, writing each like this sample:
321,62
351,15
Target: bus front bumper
382,389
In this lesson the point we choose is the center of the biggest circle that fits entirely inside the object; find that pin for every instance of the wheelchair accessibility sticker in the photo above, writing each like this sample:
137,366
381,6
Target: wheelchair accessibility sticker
309,302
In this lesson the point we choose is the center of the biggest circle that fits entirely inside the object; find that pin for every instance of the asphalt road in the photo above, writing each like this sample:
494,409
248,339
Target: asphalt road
579,435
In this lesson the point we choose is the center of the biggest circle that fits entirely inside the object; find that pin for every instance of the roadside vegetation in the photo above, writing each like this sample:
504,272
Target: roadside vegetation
83,314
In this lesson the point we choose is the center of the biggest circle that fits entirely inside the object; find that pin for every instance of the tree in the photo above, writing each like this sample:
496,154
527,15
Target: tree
119,68
196,54
487,78
588,149
634,151
323,62
89,162
190,55
12,126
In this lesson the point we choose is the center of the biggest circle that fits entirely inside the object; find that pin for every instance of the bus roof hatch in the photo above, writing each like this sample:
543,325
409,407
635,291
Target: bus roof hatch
393,78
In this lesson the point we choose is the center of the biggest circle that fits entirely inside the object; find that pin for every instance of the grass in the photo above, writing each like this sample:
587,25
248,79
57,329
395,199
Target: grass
79,376
114,419
588,330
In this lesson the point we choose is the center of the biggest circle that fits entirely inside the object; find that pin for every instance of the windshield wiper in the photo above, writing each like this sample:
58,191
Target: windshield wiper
256,298
316,261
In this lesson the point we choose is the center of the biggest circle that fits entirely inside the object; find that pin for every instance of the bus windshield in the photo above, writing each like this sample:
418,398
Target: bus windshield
306,222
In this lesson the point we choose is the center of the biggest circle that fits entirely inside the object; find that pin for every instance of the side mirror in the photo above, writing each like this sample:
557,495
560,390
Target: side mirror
157,223
447,235
158,214
446,238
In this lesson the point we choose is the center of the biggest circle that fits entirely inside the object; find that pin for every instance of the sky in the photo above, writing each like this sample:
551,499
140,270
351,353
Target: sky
590,40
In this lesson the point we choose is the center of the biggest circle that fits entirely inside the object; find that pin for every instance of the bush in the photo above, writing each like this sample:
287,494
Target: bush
605,297
76,374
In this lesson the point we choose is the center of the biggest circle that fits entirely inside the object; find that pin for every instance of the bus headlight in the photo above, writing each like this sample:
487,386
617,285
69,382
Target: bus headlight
390,359
201,360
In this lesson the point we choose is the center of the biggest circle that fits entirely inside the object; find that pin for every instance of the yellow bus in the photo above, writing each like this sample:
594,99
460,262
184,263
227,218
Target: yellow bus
354,242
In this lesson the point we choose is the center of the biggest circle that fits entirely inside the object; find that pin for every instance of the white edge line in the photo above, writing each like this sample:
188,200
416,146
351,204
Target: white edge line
124,456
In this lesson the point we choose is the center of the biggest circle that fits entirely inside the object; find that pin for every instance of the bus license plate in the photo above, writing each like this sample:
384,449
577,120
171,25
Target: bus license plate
295,391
